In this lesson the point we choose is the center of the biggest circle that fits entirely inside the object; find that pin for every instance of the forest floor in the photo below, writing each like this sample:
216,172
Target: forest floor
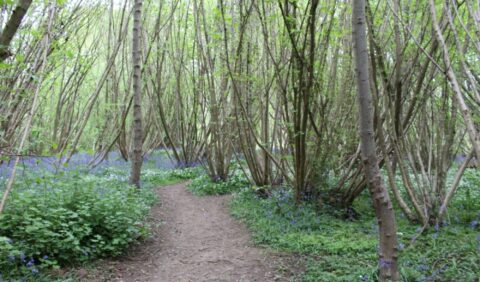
195,239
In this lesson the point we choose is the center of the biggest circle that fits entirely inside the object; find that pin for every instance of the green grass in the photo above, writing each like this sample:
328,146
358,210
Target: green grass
339,250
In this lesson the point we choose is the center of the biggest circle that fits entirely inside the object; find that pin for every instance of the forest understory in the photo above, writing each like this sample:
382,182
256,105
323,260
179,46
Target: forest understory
244,140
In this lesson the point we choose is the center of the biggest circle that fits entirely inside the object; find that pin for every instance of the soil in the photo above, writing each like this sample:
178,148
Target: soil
195,239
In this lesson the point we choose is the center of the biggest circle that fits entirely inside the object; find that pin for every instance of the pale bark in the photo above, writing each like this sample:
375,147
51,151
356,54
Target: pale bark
453,188
136,156
381,201
452,78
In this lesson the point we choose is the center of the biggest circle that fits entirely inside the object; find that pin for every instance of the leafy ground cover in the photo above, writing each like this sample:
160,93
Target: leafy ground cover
62,215
340,250
203,185
336,249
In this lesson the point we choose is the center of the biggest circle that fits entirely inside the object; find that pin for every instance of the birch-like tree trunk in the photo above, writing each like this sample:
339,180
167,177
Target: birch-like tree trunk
136,156
381,201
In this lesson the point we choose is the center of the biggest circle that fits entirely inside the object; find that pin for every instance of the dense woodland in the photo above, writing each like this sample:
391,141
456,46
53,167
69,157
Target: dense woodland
351,113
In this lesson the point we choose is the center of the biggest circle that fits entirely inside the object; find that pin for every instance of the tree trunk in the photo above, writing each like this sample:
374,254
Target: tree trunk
136,156
452,78
12,26
381,201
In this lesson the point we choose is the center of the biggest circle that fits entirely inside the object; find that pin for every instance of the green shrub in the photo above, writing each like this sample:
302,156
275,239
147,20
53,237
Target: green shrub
57,220
204,185
186,173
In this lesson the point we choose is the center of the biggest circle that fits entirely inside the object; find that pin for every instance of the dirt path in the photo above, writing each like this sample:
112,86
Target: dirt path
197,241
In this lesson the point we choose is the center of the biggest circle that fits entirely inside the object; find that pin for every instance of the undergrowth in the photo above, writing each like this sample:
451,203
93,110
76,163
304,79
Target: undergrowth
203,185
339,250
61,218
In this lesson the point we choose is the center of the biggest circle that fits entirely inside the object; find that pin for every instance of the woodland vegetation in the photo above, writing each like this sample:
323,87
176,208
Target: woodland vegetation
348,130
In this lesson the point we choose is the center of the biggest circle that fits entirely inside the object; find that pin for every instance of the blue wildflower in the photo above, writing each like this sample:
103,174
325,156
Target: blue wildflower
401,246
385,263
34,270
31,262
422,268
45,257
436,227
474,224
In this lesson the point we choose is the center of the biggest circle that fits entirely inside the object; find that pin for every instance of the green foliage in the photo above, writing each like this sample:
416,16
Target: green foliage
339,250
60,219
186,173
466,202
204,185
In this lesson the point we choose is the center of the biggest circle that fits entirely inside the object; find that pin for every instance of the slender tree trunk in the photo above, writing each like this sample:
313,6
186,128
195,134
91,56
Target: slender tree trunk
136,156
43,58
12,26
452,78
381,201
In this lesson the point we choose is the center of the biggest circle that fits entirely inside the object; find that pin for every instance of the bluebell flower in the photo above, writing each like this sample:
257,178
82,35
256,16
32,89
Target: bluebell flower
31,262
385,263
293,222
436,227
401,246
34,270
435,236
474,224
422,268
